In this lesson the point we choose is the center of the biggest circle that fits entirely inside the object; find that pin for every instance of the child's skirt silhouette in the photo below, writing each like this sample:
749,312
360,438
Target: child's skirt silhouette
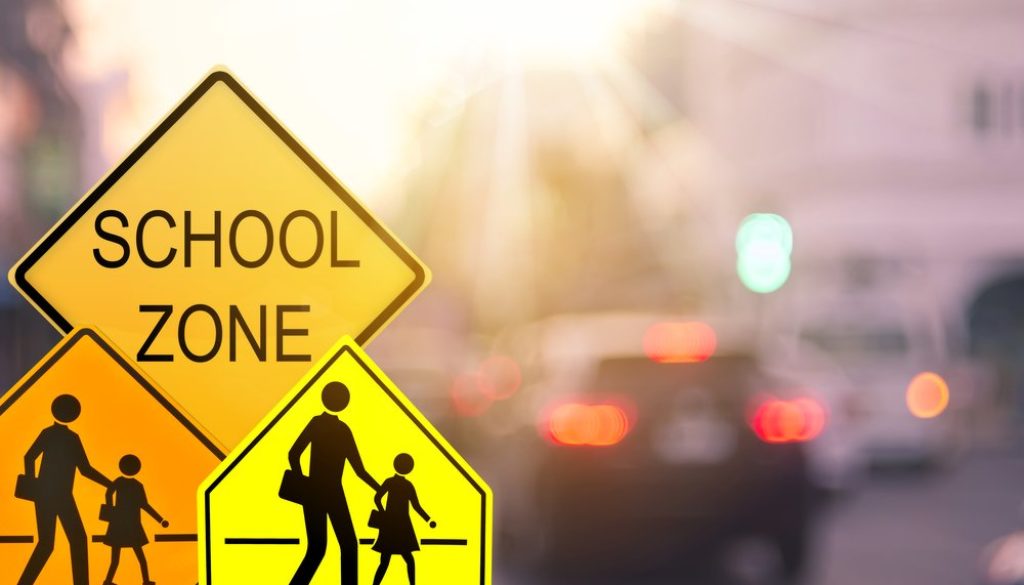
397,535
125,529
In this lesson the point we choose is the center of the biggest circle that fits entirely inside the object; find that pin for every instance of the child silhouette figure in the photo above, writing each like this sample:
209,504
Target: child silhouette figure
397,536
128,499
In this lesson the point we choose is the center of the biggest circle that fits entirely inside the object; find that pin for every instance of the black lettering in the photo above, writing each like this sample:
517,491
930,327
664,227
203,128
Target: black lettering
282,332
337,262
165,314
218,335
233,239
319,238
236,321
146,259
113,238
209,237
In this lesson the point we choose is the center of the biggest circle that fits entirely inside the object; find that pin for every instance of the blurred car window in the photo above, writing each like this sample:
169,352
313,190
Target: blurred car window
654,386
851,343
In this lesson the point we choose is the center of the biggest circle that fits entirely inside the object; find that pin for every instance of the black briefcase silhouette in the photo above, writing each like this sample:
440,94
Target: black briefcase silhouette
295,487
26,488
375,519
106,512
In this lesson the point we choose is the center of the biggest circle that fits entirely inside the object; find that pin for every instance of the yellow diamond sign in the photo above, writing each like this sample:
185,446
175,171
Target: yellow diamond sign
222,256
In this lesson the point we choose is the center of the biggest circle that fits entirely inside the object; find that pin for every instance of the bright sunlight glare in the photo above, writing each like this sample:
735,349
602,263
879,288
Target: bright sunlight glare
560,32
355,79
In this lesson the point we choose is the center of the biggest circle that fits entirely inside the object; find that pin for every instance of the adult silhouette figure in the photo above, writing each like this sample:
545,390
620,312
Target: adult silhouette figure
63,457
331,445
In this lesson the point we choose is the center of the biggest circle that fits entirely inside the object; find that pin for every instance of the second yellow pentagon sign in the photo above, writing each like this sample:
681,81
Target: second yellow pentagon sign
223,256
345,477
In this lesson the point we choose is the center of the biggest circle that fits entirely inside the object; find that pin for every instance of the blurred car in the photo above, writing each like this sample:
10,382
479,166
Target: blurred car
880,348
836,457
643,464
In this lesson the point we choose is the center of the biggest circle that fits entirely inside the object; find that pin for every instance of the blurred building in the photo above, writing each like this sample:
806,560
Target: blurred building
886,138
888,133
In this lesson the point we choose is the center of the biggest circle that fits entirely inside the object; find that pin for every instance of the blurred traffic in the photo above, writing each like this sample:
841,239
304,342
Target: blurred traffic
725,291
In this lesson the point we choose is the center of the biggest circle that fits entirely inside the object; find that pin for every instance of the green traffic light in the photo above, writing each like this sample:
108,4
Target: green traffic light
763,245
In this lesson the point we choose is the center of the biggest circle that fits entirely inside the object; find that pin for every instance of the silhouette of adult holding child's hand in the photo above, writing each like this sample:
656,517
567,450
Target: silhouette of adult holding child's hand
331,445
63,457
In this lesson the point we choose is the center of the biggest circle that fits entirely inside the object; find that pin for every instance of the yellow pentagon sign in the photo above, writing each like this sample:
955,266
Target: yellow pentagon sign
280,510
223,257
84,417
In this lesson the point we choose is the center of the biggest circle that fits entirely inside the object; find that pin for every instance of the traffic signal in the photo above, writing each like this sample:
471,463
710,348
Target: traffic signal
764,243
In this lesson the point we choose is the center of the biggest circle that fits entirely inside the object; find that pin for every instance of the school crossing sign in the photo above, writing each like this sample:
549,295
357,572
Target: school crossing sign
345,477
84,429
223,257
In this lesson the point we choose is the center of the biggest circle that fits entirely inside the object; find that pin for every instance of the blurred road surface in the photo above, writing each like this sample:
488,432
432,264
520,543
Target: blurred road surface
928,529
907,528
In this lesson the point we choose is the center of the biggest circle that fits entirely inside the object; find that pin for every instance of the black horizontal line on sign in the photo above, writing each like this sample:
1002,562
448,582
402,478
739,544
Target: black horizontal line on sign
16,540
363,541
444,541
159,538
261,541
176,538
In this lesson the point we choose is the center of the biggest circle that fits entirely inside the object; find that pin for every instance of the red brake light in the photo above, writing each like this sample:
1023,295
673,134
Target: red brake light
467,395
500,377
788,421
591,425
680,342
